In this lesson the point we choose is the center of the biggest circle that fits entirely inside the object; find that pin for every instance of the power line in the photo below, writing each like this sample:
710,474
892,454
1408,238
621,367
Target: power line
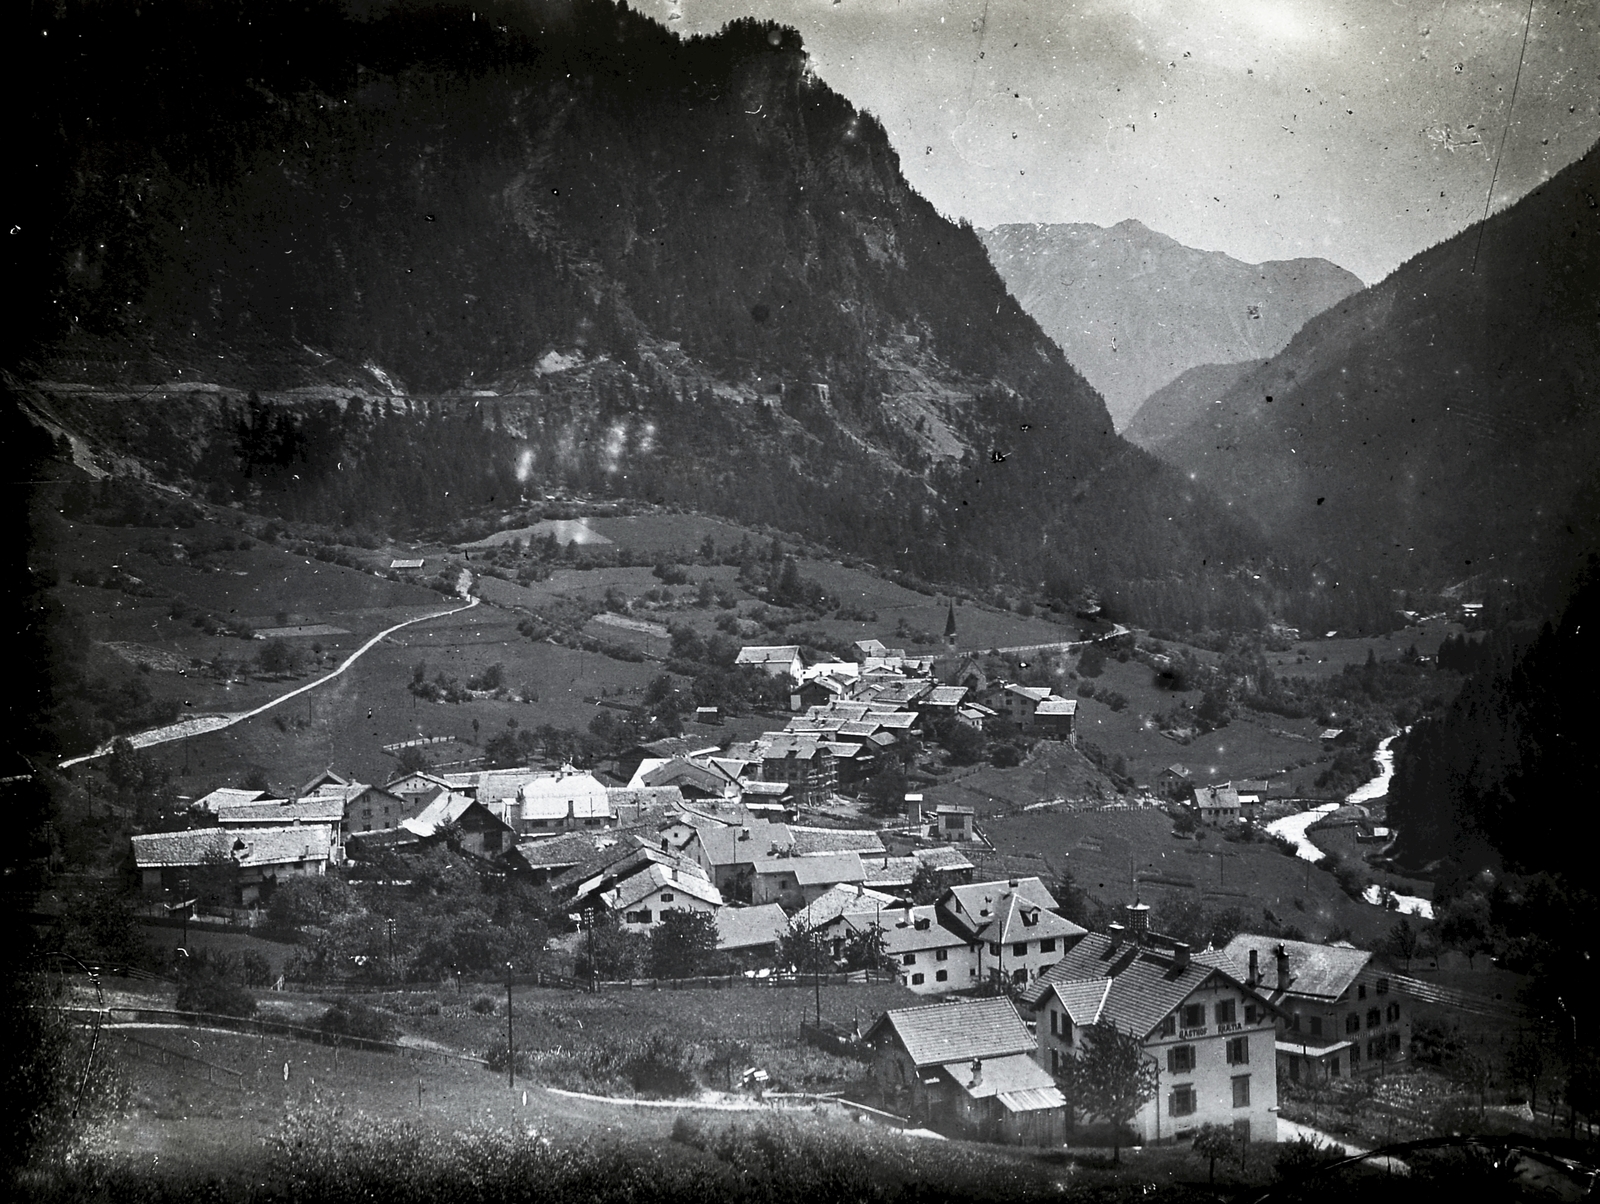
1527,24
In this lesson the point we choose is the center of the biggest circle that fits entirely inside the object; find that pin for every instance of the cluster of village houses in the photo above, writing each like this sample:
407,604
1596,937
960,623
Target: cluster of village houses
691,825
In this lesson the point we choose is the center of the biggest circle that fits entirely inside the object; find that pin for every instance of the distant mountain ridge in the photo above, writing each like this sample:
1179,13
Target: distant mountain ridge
1441,424
1133,309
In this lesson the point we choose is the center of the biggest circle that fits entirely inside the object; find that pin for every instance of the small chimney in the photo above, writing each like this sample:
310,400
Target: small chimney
1117,932
744,833
1282,955
977,1072
1180,955
1254,978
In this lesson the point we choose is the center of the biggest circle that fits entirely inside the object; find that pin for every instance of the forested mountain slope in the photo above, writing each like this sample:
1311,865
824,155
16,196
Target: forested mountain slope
374,265
1441,424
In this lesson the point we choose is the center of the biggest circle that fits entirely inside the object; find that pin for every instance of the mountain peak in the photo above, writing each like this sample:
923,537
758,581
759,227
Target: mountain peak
1134,308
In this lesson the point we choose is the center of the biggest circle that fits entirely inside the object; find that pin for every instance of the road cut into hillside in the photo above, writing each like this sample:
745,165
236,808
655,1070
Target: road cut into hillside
198,724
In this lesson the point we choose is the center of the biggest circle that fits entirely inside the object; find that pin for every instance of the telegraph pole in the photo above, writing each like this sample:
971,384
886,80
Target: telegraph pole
511,1044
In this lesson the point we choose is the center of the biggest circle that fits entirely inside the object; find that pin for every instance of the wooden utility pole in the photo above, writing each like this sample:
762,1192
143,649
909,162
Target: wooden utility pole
511,1044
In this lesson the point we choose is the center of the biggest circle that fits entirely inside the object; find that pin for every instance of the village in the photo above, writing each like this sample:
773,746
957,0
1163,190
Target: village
690,858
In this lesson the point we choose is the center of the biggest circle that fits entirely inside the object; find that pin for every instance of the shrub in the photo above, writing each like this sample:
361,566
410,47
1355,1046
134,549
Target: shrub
351,1018
212,983
255,969
483,1005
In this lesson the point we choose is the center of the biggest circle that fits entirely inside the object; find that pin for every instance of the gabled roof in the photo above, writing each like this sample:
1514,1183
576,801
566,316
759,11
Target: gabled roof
1033,693
944,859
225,795
1315,971
435,779
1216,796
656,877
818,869
980,905
908,930
1024,920
249,847
764,654
846,898
889,871
944,696
737,844
942,1033
1146,985
448,809
893,720
835,840
1177,770
326,778
644,796
314,809
1020,1083
750,927
1083,1000
1057,706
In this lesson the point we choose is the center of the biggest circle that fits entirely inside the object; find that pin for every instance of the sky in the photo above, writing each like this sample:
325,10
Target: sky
1361,131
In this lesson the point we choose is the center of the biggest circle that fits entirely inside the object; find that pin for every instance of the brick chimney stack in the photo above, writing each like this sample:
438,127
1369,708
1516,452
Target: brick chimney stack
1253,979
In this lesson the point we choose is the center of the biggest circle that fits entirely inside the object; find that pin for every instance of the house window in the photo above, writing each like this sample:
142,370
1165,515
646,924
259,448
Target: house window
1333,1067
1374,1017
941,955
916,980
667,896
1181,1101
1355,1055
1194,1015
1375,1049
1241,1091
1394,1043
994,948
1239,1051
1352,1022
1294,1022
1224,1011
1361,990
1180,1059
942,976
1047,945
1316,1026
908,959
1055,1016
642,916
1055,1061
366,812
1383,986
1392,1012
1251,1013
1169,1026
1019,975
1020,949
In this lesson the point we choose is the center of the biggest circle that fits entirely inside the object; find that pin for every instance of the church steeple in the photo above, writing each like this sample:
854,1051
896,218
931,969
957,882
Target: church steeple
950,626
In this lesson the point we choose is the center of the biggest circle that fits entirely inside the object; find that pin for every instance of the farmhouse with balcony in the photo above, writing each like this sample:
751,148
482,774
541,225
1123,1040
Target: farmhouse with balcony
795,881
966,1067
1339,1013
1209,1035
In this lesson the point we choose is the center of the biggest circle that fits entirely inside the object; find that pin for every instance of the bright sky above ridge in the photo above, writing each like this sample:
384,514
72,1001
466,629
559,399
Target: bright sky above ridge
1362,131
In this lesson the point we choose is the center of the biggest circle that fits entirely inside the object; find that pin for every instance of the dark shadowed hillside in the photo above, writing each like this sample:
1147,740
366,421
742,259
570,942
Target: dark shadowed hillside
1175,407
373,268
1442,423
1133,308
